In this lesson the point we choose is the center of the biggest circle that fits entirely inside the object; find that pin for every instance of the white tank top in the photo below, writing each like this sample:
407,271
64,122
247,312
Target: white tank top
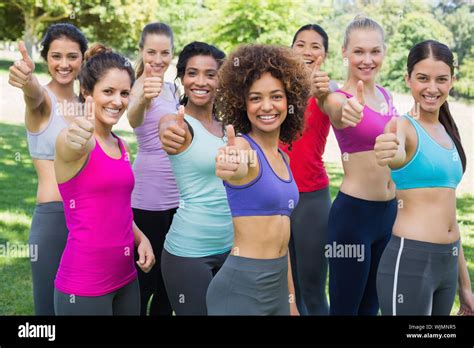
42,144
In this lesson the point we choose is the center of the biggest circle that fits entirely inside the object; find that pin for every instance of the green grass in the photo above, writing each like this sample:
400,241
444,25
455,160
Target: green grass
17,200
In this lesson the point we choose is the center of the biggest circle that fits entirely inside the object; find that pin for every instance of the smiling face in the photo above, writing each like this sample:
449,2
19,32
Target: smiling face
200,79
310,45
266,104
365,53
64,60
430,83
157,51
111,95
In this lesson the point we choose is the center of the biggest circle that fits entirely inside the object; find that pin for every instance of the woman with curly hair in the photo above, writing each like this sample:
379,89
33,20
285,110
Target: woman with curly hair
263,93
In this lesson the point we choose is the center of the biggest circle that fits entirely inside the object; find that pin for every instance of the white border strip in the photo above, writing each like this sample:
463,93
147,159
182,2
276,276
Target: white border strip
395,277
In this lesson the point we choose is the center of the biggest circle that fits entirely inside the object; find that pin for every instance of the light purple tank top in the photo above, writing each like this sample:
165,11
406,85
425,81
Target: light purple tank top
155,185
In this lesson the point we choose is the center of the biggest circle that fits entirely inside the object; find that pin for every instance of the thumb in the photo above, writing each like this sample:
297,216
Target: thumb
318,64
89,110
24,54
230,135
360,92
180,116
391,126
148,70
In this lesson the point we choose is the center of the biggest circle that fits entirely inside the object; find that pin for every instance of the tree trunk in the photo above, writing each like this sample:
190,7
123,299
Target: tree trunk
30,29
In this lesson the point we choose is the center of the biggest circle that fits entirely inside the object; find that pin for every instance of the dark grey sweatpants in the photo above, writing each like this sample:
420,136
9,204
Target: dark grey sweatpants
124,301
187,279
48,236
246,286
417,278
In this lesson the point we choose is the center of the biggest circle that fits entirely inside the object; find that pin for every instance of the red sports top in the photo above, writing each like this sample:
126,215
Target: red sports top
306,156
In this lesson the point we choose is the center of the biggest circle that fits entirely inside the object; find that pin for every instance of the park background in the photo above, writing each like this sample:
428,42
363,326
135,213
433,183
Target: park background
226,24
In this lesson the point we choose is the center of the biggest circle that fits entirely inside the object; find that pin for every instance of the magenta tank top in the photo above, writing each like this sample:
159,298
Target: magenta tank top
99,254
362,137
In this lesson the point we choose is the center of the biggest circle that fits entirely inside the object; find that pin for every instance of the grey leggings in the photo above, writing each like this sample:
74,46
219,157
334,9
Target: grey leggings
187,279
417,278
309,266
48,235
124,301
246,286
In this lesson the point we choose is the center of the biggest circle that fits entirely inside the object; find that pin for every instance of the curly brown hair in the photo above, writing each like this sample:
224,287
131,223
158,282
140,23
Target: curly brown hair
246,65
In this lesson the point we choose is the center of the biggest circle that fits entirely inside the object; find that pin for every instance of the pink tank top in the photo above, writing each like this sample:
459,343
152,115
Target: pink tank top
362,137
99,254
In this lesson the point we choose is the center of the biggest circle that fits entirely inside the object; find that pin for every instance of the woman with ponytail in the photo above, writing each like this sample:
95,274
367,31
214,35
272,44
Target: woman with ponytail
63,48
419,269
155,196
97,274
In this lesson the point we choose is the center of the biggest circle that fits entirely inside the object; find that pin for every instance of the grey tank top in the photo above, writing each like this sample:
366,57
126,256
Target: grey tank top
42,144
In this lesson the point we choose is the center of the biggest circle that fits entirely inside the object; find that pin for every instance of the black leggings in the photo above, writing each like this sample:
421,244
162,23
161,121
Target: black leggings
187,280
309,266
155,226
359,230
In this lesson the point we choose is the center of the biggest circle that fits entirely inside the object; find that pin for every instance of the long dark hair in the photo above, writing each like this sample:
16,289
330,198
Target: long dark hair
60,30
440,52
193,49
152,28
317,29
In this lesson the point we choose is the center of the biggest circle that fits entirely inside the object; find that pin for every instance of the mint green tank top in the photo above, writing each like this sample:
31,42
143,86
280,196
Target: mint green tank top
202,225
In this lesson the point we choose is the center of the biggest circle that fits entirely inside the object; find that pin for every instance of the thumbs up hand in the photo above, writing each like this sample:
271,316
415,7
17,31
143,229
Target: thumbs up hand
81,130
173,136
152,84
352,110
22,70
228,158
386,144
319,80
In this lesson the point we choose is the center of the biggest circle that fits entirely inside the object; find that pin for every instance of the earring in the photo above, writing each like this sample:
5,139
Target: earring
345,61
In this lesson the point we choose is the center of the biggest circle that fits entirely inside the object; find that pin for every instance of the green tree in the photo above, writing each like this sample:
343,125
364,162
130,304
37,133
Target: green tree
413,28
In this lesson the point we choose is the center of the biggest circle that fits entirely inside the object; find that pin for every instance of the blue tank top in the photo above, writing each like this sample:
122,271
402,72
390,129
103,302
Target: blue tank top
267,194
202,225
42,144
432,165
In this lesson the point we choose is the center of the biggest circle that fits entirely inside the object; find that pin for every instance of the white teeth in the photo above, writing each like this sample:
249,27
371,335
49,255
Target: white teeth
308,61
200,92
430,98
269,117
112,111
64,73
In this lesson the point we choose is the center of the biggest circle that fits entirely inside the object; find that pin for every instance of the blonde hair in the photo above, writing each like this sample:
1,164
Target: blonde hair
362,22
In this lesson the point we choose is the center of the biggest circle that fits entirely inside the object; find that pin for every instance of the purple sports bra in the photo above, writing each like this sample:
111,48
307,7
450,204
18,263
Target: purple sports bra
362,137
267,194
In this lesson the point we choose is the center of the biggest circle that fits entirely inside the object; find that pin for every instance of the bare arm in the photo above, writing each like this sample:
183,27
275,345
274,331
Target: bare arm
147,87
22,76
